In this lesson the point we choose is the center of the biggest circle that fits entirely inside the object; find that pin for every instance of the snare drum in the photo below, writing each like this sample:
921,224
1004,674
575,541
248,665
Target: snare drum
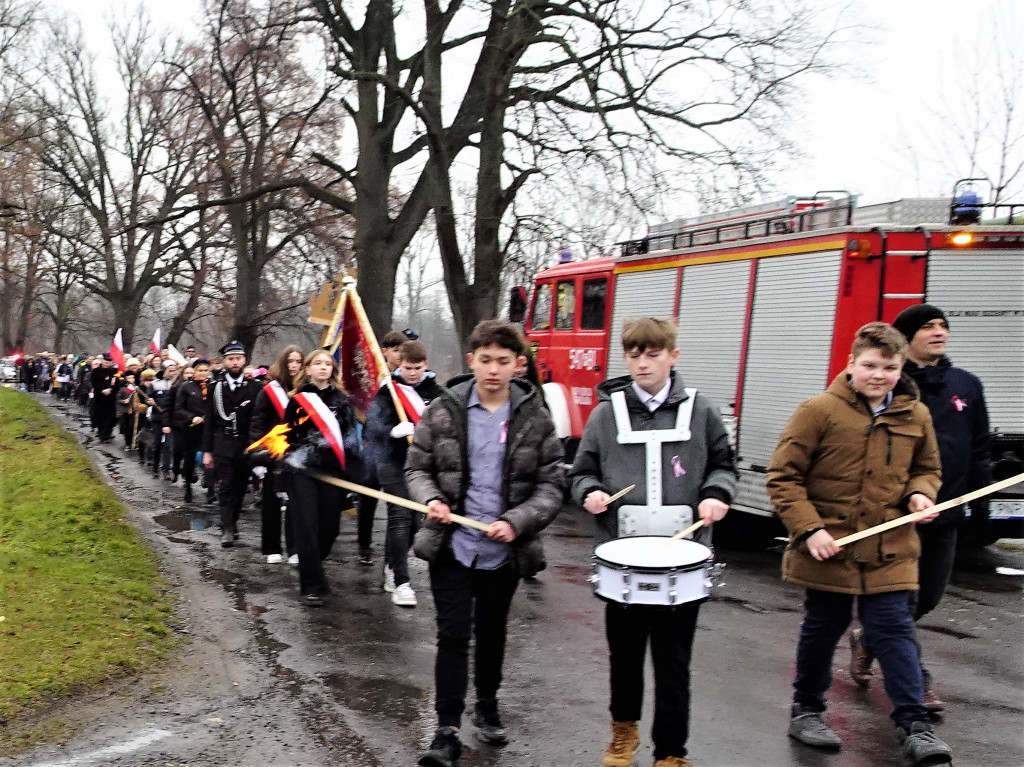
652,570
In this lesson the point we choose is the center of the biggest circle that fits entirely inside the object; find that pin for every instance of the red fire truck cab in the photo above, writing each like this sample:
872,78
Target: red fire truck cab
767,300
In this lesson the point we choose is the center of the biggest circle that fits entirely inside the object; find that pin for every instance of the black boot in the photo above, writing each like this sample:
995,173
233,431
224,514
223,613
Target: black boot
188,493
227,536
444,749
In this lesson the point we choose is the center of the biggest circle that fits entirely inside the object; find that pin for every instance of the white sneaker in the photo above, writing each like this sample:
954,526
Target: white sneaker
293,560
274,559
404,596
389,580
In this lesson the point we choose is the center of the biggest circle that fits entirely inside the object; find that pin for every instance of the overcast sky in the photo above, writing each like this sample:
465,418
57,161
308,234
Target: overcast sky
881,133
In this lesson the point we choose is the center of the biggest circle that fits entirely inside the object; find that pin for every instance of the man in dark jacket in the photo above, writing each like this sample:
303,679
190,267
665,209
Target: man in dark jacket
226,435
487,449
104,386
957,404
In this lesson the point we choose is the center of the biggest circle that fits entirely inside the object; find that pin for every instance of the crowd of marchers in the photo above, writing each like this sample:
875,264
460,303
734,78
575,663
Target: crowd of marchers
899,430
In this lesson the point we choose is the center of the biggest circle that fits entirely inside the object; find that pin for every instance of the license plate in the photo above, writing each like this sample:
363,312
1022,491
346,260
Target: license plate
1006,510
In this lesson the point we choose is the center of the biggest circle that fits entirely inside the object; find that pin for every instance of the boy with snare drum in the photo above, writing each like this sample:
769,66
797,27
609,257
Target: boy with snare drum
670,442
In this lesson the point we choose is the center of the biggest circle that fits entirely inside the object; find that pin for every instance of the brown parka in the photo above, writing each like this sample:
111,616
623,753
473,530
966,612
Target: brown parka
840,468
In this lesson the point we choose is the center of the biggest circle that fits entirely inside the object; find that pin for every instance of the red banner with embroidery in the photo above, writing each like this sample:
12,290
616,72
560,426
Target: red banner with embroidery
278,398
325,421
355,348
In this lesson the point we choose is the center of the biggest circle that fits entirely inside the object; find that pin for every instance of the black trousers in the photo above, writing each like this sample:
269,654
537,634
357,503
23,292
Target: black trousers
402,526
938,550
366,510
670,631
469,602
271,511
316,520
231,473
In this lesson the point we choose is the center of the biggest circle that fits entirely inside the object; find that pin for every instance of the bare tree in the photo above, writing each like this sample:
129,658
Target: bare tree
261,114
122,170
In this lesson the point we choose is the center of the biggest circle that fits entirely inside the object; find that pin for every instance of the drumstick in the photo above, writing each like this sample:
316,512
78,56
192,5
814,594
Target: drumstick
933,510
618,495
682,533
395,499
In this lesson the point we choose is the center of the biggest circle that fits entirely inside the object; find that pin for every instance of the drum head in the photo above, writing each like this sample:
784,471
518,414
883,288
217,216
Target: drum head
652,551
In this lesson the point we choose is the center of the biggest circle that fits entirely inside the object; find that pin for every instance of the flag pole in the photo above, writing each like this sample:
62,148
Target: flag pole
367,330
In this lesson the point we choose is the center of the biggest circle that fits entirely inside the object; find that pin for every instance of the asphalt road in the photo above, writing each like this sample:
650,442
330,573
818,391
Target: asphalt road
265,681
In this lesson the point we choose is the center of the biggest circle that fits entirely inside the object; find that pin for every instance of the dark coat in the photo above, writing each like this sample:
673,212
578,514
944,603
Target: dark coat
386,453
840,468
309,449
228,437
189,402
532,473
956,401
264,416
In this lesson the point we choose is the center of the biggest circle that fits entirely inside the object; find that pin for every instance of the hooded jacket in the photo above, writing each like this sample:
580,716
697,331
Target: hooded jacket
604,464
437,467
956,401
386,453
840,468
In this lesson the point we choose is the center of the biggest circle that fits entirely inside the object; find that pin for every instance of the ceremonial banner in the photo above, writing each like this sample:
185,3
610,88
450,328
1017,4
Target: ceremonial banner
355,348
117,350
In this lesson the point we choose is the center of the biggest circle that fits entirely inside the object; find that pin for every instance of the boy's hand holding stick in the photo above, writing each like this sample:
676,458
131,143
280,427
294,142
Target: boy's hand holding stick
965,498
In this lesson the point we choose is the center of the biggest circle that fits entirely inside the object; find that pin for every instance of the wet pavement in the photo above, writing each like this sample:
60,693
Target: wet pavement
265,681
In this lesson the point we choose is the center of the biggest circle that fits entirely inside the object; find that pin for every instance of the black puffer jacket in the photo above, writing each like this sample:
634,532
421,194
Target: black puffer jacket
956,401
532,473
309,449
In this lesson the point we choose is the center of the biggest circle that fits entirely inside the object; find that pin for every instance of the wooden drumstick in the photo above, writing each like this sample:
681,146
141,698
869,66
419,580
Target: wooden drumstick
905,520
682,533
618,495
395,499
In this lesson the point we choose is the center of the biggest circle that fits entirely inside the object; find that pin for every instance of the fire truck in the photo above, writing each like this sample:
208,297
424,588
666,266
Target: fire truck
767,299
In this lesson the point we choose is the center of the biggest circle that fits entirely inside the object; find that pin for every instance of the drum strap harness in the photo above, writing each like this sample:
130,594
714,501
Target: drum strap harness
652,439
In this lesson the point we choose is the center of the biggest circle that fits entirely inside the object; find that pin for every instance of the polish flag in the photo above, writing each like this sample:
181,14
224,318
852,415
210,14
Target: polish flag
175,355
154,345
117,350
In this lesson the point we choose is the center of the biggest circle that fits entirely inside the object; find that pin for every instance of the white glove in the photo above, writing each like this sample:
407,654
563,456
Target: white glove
404,429
260,471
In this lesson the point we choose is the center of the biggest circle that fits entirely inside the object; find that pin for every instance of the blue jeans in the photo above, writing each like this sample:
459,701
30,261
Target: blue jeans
889,635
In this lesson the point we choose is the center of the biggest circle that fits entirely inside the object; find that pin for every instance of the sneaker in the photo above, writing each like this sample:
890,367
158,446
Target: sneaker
444,749
293,560
274,559
922,746
312,600
810,729
673,761
389,580
860,659
404,596
366,557
625,743
489,728
933,702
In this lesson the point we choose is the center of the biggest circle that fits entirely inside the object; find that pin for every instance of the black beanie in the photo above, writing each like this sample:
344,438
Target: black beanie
910,320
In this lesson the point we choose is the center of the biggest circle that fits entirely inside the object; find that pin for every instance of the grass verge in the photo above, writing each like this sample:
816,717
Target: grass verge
81,602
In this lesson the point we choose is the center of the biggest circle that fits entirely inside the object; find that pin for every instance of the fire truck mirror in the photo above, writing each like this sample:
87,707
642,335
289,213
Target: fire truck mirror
517,304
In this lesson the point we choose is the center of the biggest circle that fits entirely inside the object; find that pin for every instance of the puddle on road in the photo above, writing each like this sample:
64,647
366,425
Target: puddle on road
389,698
179,522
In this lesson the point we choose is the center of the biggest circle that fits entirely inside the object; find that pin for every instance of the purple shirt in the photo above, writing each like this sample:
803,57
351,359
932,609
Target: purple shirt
486,433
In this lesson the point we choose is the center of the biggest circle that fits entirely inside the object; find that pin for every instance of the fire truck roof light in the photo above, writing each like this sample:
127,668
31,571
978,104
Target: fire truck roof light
962,238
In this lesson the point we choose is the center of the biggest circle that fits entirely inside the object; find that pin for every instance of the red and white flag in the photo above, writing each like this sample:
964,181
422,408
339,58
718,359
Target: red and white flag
154,345
278,397
411,401
117,350
175,355
325,421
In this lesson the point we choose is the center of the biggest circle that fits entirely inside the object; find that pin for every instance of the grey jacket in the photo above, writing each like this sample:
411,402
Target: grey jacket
532,474
604,464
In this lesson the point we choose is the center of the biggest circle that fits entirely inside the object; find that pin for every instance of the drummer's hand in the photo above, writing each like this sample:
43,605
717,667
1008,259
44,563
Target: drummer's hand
596,502
501,531
439,512
822,546
920,502
712,510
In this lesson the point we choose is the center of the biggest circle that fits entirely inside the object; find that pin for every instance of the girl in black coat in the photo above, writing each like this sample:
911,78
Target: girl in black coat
316,505
189,415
